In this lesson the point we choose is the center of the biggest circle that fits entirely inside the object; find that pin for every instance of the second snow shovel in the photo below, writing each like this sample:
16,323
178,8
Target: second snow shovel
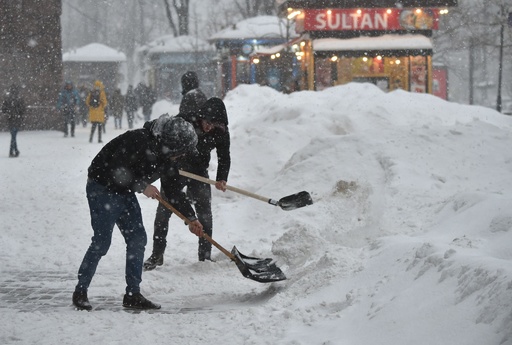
287,203
260,270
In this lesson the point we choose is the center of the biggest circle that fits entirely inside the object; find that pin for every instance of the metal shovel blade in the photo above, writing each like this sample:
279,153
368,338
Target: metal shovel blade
260,270
294,201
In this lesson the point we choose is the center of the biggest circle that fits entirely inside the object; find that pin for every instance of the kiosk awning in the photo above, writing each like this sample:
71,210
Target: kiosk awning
385,45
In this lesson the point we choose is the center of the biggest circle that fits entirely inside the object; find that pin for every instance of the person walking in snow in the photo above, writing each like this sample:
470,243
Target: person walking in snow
68,104
116,105
193,96
130,105
147,98
211,126
83,110
97,102
14,108
126,165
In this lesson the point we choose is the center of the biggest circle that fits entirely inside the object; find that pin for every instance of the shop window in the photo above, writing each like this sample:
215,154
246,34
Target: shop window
323,73
418,74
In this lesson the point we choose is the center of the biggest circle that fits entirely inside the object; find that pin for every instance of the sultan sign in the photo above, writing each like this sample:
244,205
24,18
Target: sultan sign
370,19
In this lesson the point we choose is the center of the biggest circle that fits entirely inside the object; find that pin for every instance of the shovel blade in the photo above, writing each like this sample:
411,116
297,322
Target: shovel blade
260,270
294,201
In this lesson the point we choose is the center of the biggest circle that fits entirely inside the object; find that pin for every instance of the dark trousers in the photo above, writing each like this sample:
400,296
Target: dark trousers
130,114
124,211
93,128
13,150
200,195
69,120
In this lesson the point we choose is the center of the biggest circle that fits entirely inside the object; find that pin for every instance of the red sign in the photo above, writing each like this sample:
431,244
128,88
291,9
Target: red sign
379,19
440,82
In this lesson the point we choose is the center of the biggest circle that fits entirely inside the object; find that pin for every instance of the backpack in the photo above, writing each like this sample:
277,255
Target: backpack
94,99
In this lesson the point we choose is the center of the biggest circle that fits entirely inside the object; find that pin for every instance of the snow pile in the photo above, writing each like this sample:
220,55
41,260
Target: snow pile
408,240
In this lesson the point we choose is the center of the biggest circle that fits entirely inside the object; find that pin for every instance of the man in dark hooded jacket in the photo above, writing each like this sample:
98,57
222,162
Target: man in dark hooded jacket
211,126
128,164
193,97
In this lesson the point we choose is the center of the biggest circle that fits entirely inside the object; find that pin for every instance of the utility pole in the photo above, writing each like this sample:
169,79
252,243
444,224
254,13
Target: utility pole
471,70
500,70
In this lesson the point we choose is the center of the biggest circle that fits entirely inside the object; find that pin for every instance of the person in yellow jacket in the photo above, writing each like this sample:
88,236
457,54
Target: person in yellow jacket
97,102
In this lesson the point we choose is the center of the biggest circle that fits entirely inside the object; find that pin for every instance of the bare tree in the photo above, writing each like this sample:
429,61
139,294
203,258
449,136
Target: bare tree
181,12
469,45
253,8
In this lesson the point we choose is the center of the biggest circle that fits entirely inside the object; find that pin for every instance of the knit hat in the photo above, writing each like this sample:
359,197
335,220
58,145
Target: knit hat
176,135
214,111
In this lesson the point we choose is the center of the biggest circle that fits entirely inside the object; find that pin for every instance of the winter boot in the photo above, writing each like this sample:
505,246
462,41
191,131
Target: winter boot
80,301
204,251
153,261
137,301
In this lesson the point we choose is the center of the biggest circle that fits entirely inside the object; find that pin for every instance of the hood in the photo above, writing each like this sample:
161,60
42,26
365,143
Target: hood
214,111
98,85
189,81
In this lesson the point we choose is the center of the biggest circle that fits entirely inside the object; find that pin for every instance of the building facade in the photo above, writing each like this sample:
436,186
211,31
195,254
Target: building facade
383,42
31,56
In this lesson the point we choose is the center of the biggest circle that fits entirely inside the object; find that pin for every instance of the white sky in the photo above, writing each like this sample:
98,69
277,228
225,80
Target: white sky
408,240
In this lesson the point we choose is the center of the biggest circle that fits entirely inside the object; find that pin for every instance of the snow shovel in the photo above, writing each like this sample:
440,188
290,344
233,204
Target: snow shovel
288,203
260,270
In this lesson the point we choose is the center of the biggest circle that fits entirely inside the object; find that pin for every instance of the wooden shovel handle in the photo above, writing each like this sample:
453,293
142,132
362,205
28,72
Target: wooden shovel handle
187,221
231,188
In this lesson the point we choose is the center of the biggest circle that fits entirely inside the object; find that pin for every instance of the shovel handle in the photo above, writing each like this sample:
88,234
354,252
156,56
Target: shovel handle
231,188
187,221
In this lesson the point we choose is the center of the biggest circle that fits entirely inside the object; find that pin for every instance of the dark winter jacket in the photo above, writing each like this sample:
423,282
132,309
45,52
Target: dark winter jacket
117,103
146,97
68,100
130,101
14,107
133,160
192,101
193,97
216,139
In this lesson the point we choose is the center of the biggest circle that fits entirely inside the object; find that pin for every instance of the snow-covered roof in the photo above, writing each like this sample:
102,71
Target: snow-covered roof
180,44
385,42
94,52
256,27
264,50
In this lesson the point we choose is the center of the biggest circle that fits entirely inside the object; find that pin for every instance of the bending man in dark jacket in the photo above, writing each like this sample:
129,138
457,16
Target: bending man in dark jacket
211,126
129,164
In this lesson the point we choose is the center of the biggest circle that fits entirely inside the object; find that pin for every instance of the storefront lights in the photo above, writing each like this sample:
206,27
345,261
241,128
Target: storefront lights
256,60
293,14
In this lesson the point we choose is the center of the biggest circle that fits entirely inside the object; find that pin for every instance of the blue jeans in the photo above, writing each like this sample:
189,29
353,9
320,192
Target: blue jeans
108,209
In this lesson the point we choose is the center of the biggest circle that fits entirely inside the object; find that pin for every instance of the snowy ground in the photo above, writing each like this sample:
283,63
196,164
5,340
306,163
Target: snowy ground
409,240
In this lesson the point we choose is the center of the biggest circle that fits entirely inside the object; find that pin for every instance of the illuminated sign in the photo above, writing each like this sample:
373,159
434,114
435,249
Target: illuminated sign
370,19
